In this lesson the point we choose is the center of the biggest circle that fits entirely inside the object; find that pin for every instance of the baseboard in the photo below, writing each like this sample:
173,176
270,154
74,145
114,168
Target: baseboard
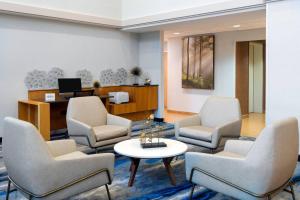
181,112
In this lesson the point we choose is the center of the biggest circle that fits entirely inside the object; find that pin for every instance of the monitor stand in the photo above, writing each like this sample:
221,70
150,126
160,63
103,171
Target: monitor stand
68,96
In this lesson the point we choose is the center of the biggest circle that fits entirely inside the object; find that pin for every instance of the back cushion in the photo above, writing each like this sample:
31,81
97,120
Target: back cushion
218,111
89,110
24,151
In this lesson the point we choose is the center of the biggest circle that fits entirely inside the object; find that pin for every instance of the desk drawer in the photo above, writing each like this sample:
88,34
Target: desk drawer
118,109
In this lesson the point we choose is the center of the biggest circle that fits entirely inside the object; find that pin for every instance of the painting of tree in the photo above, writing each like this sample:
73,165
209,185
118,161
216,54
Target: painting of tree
198,62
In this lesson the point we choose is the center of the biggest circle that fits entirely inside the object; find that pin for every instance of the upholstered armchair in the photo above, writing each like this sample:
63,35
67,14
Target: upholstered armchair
218,120
50,170
247,169
90,124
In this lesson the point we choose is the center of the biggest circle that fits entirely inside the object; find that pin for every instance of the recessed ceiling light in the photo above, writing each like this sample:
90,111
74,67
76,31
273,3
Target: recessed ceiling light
236,26
176,33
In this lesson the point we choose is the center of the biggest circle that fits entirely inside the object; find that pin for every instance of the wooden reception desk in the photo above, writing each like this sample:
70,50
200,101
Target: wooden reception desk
51,116
143,101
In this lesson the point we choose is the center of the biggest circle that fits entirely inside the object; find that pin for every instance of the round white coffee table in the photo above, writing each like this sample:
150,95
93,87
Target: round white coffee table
132,149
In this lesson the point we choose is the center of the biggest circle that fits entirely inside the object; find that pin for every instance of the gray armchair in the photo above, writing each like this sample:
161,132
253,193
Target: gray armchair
247,169
89,123
50,170
218,120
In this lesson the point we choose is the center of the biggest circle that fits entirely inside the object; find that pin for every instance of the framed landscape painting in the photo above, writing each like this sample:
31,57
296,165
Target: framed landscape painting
198,62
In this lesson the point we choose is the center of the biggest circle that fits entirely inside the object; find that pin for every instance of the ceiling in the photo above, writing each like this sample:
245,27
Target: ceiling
246,20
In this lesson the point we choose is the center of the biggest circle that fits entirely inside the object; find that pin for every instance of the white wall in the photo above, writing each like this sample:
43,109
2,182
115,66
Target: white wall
191,100
28,43
283,66
104,8
150,60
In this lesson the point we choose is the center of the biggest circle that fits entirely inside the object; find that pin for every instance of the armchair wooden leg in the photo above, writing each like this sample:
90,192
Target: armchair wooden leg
8,189
192,191
107,190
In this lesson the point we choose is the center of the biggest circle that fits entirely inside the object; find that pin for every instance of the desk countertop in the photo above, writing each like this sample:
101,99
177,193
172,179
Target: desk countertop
67,100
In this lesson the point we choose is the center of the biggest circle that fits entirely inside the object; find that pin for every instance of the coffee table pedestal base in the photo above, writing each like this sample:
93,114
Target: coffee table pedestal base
135,164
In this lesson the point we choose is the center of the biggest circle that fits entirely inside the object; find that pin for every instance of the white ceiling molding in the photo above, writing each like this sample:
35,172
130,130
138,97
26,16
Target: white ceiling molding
272,1
34,11
214,10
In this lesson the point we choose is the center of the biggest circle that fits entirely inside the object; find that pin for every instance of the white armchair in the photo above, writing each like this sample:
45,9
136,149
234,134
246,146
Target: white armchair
249,170
218,120
50,170
89,123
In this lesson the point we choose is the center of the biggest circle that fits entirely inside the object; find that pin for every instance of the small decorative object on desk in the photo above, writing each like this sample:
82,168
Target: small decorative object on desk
96,84
147,81
150,137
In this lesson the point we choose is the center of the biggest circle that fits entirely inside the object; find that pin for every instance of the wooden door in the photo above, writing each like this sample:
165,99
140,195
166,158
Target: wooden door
242,76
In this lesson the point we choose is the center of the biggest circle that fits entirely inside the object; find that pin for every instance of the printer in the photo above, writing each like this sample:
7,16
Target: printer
118,97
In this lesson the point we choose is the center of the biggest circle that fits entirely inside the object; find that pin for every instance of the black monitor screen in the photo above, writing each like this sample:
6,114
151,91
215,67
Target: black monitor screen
69,85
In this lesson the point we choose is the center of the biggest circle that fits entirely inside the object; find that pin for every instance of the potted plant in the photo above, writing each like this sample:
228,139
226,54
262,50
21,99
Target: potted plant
136,72
96,85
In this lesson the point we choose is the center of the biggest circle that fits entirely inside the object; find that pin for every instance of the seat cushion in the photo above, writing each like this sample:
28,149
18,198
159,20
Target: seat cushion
107,132
197,133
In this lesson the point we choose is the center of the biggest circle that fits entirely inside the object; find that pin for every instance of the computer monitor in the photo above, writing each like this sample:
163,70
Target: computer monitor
68,85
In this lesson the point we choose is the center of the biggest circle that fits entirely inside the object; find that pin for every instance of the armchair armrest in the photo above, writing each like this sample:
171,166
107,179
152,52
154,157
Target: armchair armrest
224,169
202,169
64,172
229,130
82,166
189,121
241,147
120,121
81,132
61,147
212,163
